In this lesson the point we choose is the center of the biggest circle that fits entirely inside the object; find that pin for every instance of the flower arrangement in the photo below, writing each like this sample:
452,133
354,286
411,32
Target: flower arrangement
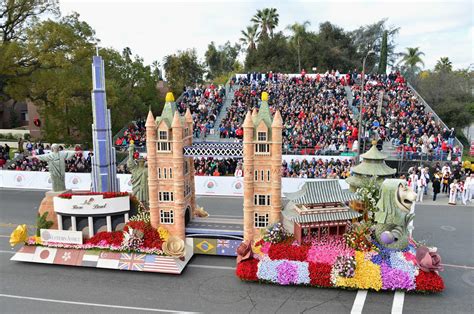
358,236
333,262
275,233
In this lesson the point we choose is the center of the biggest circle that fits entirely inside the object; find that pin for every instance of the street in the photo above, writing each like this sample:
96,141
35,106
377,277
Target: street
209,284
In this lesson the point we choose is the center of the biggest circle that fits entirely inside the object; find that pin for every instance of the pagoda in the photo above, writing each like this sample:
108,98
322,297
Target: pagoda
372,165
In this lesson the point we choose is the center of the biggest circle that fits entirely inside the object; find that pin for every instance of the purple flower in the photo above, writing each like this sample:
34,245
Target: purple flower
393,278
287,273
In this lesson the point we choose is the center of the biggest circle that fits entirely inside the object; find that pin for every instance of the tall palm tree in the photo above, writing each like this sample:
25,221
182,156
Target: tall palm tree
249,38
443,65
299,31
412,58
267,19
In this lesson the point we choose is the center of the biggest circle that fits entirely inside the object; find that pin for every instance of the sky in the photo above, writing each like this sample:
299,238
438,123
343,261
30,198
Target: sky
154,29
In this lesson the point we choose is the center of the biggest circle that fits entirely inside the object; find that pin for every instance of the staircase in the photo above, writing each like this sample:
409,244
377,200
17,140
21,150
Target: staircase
229,97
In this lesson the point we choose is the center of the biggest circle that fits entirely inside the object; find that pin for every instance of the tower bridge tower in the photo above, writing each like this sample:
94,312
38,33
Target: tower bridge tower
170,173
262,169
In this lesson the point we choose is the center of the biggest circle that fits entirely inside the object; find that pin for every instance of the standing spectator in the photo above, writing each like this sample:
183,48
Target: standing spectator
421,183
436,186
468,189
445,182
453,192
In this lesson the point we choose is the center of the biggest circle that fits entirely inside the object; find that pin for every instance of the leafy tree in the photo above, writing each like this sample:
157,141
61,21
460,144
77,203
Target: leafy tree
410,64
449,94
443,65
17,15
370,37
383,54
267,19
249,37
183,69
221,60
299,33
272,54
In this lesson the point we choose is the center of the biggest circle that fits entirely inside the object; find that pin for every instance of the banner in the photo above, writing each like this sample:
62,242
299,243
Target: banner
222,186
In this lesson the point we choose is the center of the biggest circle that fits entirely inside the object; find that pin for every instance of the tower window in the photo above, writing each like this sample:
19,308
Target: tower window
166,217
163,135
261,200
261,136
166,196
262,149
159,173
268,175
261,220
171,173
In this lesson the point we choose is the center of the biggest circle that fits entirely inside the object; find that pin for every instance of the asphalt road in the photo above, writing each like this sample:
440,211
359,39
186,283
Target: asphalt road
209,284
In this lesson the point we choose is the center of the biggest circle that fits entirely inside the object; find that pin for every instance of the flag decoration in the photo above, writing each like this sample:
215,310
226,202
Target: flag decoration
227,247
132,261
69,257
105,259
205,246
44,255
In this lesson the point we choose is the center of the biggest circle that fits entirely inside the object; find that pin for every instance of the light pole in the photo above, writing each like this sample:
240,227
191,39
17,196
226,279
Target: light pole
361,105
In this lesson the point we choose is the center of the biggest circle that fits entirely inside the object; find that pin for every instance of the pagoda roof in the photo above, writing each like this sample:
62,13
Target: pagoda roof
373,168
374,154
320,192
330,216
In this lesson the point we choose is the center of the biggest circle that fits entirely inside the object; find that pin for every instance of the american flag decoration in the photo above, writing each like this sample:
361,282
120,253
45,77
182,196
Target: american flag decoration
132,261
161,264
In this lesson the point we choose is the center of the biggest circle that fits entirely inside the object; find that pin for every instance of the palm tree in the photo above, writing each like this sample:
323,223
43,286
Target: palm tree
267,19
412,58
299,30
443,65
249,38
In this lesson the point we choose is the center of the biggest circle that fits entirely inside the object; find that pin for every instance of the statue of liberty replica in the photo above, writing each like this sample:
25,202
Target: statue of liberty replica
139,176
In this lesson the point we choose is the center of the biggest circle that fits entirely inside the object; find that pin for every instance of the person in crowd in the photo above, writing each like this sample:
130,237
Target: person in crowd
421,185
445,181
468,189
436,186
453,191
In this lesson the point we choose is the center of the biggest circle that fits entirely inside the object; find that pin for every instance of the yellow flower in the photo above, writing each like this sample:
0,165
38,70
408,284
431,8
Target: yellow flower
38,240
19,235
164,233
367,275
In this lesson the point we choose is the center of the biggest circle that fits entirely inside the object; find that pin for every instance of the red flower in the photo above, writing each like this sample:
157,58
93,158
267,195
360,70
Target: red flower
151,237
429,282
247,270
111,238
320,274
287,251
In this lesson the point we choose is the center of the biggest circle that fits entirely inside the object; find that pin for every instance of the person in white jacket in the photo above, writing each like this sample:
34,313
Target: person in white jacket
453,191
421,184
468,189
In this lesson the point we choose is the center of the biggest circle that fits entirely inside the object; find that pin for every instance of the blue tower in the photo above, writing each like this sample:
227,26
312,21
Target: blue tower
104,168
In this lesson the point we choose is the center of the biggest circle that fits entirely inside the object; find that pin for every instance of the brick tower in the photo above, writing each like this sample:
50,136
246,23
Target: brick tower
262,169
170,174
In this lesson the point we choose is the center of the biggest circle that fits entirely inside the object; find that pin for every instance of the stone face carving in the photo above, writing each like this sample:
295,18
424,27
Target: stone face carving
393,215
139,176
56,166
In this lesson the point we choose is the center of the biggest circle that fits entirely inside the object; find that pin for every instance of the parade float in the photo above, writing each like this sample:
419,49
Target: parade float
315,239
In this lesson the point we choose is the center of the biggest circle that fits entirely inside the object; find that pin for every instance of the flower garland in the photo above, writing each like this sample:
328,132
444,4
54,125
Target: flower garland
104,194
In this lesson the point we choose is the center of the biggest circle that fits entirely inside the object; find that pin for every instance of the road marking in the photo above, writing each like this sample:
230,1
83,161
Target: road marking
397,305
4,236
459,266
211,266
7,252
359,302
91,304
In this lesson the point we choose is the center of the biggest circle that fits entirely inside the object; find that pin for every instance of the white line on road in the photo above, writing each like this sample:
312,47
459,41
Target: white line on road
397,305
91,304
7,252
211,266
359,302
4,236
